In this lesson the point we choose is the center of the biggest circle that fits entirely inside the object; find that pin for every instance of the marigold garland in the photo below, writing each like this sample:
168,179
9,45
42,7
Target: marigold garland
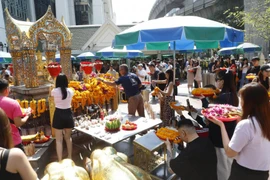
91,92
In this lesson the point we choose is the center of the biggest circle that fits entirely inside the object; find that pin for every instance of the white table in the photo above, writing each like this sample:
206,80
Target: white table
115,137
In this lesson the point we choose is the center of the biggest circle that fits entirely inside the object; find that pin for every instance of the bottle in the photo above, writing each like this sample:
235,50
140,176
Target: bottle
101,115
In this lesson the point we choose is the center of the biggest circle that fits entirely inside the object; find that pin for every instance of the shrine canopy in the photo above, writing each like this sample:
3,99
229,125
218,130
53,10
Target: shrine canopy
110,52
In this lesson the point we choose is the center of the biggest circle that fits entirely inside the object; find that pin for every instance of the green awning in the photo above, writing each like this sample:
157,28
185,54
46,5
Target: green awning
128,38
205,33
157,46
206,44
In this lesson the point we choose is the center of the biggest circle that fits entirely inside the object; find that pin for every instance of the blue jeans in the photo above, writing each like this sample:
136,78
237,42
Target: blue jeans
244,80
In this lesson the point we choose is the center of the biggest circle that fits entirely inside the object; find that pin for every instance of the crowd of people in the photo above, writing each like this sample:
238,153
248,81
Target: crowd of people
241,147
234,150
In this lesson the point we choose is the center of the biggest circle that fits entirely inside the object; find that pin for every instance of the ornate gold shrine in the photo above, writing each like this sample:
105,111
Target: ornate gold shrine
24,37
25,40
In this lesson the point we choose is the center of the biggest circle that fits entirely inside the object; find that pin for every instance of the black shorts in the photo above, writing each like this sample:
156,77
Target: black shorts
62,118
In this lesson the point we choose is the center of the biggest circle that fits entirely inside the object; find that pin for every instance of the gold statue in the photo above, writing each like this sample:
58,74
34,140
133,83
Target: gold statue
65,170
108,164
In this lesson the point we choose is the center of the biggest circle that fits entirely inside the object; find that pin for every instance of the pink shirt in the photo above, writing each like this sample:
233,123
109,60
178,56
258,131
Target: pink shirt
12,109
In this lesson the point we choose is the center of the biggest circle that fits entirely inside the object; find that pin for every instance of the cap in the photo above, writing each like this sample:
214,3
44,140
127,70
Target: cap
140,65
255,58
265,67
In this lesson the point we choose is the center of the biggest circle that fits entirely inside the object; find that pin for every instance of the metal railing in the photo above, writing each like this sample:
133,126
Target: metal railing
188,9
196,6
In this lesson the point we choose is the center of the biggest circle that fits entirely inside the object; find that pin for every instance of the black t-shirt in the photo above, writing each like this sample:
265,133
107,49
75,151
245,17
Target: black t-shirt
254,70
210,67
198,161
155,75
130,83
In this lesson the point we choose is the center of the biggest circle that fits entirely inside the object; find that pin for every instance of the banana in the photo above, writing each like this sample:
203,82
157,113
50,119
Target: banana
31,137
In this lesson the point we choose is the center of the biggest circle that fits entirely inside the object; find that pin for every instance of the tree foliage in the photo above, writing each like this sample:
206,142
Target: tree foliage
258,18
232,16
255,18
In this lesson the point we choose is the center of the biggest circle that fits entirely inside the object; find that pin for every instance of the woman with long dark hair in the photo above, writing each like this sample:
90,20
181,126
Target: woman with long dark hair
233,68
250,143
14,164
263,76
62,119
244,68
161,86
228,95
167,96
216,66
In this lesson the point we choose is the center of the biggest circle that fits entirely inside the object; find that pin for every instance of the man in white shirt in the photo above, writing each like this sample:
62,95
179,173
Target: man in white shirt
141,73
113,72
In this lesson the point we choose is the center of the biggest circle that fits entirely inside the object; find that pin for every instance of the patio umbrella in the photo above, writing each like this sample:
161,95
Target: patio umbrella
110,52
5,57
181,32
57,58
227,51
240,49
249,47
86,55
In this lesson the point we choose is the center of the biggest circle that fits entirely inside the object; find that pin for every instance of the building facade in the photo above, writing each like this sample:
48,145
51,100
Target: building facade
75,12
2,30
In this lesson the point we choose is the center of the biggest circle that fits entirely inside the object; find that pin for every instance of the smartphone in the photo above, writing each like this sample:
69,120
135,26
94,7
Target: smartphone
188,103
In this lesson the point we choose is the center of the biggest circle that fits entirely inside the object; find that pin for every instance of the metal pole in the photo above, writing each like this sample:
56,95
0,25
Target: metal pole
174,67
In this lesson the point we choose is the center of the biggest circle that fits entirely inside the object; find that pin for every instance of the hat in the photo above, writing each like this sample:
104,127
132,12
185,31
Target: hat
265,67
255,58
140,65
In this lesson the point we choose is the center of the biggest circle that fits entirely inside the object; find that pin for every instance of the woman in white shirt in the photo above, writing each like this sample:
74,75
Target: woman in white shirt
245,67
62,119
250,144
190,75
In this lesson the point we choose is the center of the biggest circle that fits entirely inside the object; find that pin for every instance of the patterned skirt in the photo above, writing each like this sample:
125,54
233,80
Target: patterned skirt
168,112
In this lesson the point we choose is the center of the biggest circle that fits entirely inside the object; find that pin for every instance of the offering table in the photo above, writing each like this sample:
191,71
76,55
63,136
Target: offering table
112,138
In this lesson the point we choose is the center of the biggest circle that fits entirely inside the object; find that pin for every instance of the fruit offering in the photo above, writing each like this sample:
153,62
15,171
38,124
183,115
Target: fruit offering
113,125
177,106
129,126
223,68
39,137
223,112
172,135
207,92
251,76
156,91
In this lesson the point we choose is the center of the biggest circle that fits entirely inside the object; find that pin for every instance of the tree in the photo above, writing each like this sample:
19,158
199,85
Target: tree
232,16
257,17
